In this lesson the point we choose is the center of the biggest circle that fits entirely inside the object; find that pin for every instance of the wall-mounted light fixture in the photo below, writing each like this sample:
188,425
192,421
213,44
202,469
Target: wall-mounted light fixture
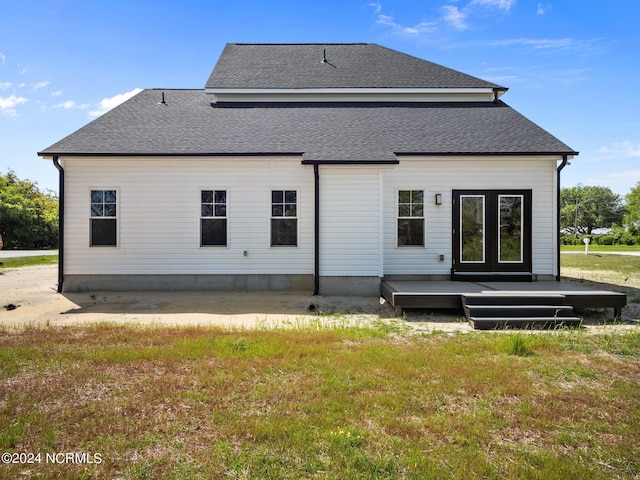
438,199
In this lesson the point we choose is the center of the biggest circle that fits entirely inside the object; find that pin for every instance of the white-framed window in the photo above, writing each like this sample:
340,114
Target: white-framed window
103,228
284,218
410,218
213,218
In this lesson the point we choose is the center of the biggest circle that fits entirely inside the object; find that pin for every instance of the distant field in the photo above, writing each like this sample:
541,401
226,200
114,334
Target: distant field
16,262
601,248
598,261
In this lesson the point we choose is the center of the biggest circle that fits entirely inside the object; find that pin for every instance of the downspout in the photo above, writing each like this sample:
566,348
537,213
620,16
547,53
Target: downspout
316,268
60,223
565,162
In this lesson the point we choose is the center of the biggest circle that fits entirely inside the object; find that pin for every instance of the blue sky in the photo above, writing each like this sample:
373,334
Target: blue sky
572,66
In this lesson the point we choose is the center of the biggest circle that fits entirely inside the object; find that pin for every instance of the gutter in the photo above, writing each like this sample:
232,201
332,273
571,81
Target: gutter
60,223
565,162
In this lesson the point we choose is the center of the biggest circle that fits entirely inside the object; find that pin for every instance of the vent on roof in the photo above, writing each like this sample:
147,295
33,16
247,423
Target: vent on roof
324,58
163,101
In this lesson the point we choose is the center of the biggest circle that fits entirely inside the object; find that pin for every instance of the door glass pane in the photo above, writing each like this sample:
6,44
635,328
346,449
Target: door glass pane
472,228
510,233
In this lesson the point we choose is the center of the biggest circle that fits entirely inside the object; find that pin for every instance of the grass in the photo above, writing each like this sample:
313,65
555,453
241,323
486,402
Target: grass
595,262
16,262
356,402
601,248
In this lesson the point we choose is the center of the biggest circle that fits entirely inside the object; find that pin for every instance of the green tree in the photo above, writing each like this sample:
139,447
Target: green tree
28,216
585,208
632,217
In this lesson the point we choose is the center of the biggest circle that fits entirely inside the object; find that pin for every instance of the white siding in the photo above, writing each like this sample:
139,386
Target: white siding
349,221
158,215
442,175
159,202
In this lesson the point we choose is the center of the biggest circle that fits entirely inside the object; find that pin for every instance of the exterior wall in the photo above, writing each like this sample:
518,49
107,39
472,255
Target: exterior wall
442,175
159,221
159,216
349,222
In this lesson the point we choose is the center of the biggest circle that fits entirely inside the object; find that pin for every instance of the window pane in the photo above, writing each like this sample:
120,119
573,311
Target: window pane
404,210
109,196
103,232
221,211
213,232
206,210
97,210
97,196
411,232
510,244
284,232
277,211
277,196
290,210
290,196
472,220
110,210
206,196
221,196
417,196
404,196
417,210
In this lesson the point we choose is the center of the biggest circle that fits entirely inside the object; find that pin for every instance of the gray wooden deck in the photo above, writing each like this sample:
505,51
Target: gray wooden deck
402,294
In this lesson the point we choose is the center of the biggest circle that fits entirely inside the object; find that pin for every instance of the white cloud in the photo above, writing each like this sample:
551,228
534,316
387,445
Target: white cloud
56,94
107,104
542,9
621,150
501,4
419,29
7,104
38,85
454,17
538,43
377,7
3,57
70,104
5,85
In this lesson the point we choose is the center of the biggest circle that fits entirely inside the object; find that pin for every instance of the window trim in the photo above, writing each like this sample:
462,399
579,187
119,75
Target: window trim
214,217
423,217
283,216
116,217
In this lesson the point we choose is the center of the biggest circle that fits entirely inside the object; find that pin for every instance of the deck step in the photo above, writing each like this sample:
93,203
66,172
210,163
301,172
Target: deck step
491,310
493,323
519,310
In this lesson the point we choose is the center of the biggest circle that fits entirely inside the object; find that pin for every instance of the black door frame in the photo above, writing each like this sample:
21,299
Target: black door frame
492,268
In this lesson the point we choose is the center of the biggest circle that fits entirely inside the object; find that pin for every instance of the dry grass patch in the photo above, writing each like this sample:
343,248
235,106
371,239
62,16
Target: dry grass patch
366,402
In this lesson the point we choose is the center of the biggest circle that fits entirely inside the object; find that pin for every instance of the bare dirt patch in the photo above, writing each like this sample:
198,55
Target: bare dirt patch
31,290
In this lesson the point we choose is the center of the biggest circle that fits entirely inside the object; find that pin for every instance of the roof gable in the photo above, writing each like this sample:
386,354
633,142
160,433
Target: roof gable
331,66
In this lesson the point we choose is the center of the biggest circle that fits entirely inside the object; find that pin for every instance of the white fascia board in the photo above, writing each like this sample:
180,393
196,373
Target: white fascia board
353,94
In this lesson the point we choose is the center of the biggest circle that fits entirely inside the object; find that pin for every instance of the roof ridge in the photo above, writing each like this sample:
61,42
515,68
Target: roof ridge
303,43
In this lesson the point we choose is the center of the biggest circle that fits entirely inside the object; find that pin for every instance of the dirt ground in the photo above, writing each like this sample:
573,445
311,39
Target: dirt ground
28,298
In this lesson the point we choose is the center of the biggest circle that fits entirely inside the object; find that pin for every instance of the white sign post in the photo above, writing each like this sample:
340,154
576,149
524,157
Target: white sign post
586,241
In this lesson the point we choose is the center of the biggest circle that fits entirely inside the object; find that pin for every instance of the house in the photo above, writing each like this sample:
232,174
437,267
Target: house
324,167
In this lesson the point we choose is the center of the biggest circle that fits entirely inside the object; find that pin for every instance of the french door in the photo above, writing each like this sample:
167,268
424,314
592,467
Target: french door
491,232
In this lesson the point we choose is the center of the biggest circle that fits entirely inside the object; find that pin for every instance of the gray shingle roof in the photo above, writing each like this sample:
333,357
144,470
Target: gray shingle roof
267,66
189,124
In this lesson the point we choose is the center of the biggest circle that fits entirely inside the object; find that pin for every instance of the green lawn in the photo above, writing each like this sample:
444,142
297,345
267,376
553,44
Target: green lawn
598,261
343,403
28,261
601,248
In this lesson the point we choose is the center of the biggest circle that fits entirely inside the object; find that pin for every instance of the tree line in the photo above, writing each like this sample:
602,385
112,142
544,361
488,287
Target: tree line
600,214
28,216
